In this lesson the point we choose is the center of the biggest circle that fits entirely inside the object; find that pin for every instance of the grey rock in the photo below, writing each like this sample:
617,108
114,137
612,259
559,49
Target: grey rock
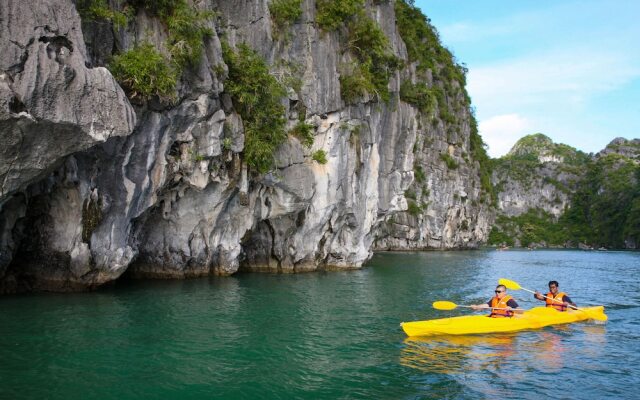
56,105
165,193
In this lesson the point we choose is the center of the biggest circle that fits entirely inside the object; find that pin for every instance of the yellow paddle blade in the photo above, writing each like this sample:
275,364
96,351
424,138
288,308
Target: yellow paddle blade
509,284
444,305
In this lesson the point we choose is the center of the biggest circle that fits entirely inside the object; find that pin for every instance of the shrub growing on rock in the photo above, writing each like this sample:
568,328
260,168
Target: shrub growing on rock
144,72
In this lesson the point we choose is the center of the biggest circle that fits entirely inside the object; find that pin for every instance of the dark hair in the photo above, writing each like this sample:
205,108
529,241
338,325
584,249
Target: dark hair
554,283
502,286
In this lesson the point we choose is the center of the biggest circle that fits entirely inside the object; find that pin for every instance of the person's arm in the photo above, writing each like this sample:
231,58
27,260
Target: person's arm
514,306
539,296
481,306
567,302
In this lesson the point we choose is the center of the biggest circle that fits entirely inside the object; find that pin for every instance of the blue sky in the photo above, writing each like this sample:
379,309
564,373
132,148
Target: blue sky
568,69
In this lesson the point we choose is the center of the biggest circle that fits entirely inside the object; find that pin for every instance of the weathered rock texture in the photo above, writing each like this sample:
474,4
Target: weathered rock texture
51,106
537,174
91,190
552,195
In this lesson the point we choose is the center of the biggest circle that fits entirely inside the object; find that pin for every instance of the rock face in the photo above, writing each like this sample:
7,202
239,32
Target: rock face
91,189
537,174
552,195
51,107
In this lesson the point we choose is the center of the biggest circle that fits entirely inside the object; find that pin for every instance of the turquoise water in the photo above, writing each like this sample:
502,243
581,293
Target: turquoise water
327,335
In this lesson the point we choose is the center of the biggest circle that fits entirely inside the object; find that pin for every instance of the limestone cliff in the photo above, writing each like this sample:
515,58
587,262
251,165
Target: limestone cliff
550,194
171,183
537,173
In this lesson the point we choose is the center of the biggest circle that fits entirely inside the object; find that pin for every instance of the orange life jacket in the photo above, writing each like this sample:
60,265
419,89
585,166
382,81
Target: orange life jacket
497,303
556,301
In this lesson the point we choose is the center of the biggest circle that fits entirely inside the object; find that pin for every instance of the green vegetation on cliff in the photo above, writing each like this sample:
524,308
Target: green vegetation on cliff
529,155
374,62
144,72
605,210
256,95
604,205
446,92
419,95
157,75
99,10
304,132
423,44
332,14
534,226
284,13
539,147
479,153
320,156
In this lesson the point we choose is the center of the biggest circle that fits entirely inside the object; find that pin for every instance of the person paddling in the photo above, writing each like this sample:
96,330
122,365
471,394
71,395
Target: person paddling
502,305
555,299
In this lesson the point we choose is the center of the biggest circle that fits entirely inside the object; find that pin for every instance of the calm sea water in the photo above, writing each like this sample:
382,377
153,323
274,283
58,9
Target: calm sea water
327,335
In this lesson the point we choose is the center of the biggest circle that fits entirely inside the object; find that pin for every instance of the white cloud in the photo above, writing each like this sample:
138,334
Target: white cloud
501,132
566,78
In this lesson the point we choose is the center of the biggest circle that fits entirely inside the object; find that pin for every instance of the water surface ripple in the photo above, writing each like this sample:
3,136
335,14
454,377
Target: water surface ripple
327,335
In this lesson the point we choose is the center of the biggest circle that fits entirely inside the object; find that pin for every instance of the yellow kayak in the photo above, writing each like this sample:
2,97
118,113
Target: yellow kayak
534,318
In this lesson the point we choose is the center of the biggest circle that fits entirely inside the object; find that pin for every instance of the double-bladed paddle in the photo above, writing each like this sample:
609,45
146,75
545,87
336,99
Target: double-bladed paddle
515,286
449,305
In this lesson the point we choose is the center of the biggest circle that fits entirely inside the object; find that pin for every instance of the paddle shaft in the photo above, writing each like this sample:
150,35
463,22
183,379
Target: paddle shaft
515,286
490,308
551,298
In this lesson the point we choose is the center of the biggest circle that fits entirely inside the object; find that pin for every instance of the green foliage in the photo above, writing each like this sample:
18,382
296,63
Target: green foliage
410,194
332,14
159,8
256,96
144,72
370,45
355,84
320,156
451,163
413,208
99,10
418,173
187,28
604,208
304,132
534,226
289,74
285,12
375,62
443,105
523,169
557,184
479,153
498,237
423,44
632,224
418,95
532,147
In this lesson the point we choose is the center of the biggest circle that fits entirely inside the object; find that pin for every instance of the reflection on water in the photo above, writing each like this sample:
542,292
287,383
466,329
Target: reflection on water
550,350
327,335
477,360
456,354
